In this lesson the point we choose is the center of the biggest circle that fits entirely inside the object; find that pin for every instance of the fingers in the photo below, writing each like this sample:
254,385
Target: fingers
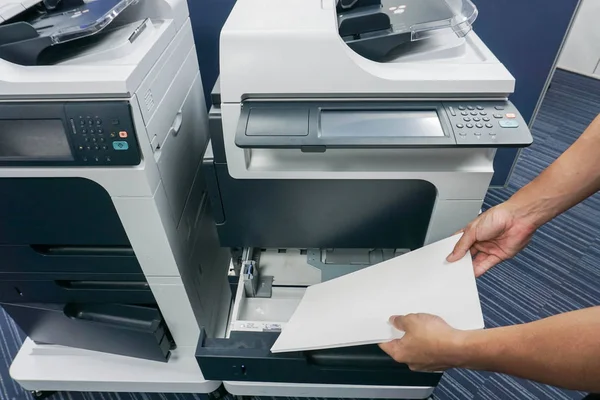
484,264
397,322
458,232
464,244
479,258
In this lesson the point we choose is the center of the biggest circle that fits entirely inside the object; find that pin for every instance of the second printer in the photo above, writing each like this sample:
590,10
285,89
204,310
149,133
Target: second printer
343,134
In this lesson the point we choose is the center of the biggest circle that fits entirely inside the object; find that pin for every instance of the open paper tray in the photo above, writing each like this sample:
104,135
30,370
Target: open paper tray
354,309
394,335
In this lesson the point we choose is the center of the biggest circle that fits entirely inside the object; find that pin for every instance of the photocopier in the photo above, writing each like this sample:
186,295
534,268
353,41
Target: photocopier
343,133
109,255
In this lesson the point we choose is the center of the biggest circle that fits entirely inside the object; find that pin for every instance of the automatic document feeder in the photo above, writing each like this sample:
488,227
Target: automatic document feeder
110,258
342,135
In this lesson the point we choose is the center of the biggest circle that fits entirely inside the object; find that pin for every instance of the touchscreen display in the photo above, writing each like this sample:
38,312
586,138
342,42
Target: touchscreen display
40,139
376,123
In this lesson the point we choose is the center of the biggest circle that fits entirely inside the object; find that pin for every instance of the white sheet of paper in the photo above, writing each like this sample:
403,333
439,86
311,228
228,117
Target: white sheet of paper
354,309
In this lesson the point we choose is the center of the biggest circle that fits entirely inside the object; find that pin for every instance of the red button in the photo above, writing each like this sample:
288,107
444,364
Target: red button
123,134
511,115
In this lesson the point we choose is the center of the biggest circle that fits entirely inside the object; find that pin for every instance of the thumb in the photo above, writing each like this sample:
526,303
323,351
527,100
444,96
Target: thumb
464,244
397,321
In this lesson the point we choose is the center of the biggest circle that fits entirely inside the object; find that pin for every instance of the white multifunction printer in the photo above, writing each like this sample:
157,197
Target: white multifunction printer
107,243
342,134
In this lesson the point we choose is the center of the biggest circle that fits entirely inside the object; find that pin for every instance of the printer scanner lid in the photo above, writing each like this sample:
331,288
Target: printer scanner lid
80,48
375,28
357,48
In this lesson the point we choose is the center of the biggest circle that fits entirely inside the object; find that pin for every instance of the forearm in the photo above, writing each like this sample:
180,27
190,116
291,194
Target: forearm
563,350
573,177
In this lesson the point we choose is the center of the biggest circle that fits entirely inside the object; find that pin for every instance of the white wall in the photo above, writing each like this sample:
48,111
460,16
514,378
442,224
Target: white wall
581,52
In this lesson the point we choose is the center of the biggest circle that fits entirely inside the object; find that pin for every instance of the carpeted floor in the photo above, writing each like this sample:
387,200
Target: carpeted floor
559,271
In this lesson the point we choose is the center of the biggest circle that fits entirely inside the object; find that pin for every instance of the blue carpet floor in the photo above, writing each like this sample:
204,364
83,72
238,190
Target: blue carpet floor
558,272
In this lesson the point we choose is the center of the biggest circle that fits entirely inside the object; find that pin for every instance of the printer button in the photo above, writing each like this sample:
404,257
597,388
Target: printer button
100,130
473,113
479,126
486,119
489,125
120,145
469,125
462,108
467,119
471,108
511,123
498,116
476,119
482,113
460,126
480,108
464,113
123,134
500,108
98,121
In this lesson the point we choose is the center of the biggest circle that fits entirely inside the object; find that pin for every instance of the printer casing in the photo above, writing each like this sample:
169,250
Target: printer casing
111,262
301,195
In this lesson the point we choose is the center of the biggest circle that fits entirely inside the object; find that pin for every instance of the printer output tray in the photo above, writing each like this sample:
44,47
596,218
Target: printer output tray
246,356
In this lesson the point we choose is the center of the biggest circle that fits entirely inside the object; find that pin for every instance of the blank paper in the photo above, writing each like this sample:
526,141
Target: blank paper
355,308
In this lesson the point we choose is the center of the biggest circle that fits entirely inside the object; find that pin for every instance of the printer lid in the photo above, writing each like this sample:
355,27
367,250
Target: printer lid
373,28
82,48
294,49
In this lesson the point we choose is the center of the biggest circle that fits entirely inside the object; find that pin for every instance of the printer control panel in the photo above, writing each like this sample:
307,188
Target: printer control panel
70,134
316,126
102,133
487,123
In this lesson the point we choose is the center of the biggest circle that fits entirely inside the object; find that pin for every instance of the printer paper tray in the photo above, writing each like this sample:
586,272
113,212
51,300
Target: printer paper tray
254,325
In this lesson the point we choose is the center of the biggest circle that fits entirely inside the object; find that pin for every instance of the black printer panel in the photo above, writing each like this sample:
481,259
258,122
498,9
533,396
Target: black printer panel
90,134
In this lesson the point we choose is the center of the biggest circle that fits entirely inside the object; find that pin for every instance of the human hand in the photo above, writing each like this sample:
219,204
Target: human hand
495,236
429,343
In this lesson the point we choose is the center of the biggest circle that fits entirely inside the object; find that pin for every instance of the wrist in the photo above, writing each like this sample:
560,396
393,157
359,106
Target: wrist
479,348
530,215
458,349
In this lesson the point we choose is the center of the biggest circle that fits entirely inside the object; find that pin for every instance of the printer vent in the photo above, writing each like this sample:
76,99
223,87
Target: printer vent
149,100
